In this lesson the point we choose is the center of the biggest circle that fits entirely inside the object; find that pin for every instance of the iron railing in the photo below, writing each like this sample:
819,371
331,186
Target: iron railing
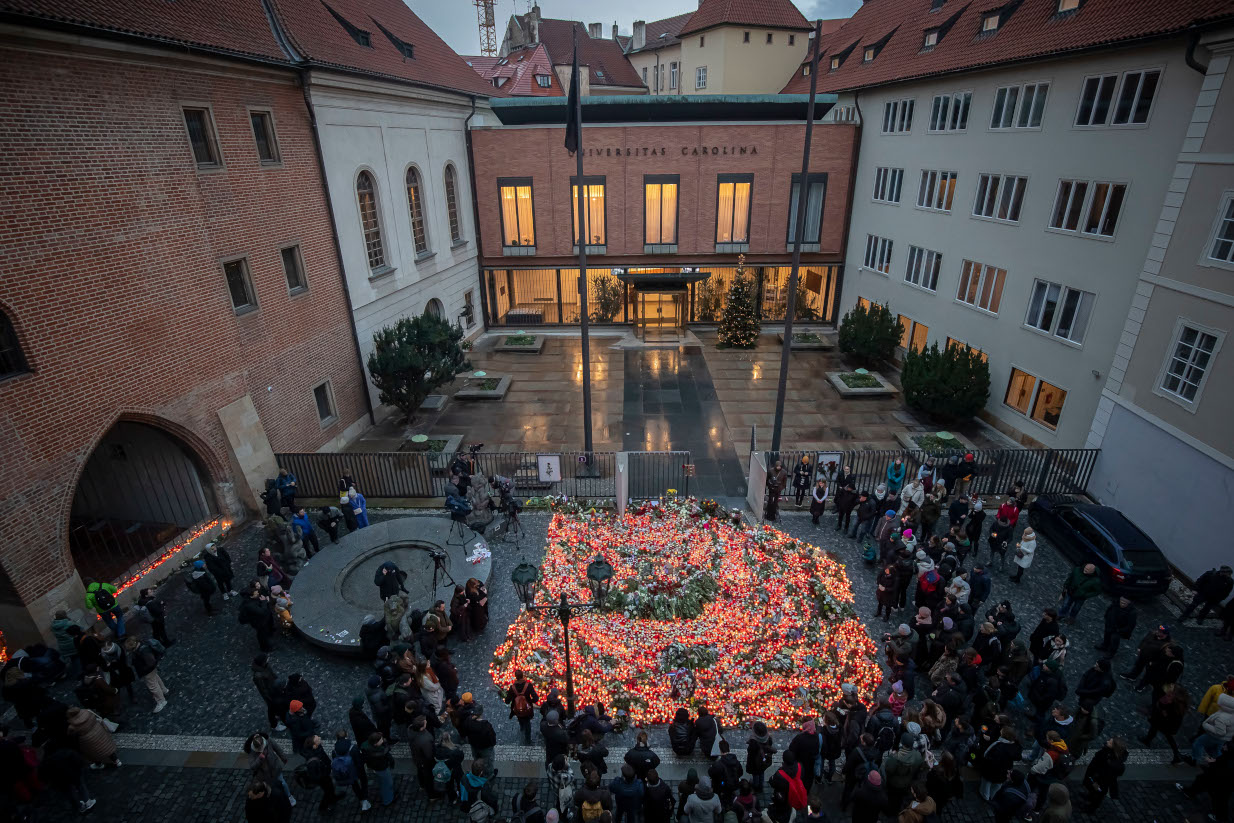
653,474
1041,471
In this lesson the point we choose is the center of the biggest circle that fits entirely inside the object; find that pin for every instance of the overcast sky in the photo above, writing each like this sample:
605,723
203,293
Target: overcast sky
455,20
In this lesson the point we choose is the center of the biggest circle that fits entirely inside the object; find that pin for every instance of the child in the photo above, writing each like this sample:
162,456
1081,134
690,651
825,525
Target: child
282,607
897,698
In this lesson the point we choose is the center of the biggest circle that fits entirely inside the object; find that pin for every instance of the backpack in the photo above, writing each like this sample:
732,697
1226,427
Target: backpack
522,707
1062,766
930,580
441,776
521,815
343,770
863,769
796,789
104,601
308,773
592,809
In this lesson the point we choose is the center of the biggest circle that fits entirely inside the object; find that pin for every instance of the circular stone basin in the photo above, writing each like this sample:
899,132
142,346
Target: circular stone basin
335,590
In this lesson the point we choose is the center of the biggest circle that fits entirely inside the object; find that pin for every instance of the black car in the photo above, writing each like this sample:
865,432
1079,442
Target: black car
1127,559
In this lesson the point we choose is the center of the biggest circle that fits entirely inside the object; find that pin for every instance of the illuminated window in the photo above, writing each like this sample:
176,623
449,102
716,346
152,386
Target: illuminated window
913,334
937,190
660,208
593,201
1088,207
981,286
878,254
951,341
733,208
415,209
1034,398
816,191
518,227
370,220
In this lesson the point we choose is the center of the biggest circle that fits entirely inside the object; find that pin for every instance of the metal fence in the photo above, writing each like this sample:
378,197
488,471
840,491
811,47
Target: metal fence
395,475
652,474
1042,471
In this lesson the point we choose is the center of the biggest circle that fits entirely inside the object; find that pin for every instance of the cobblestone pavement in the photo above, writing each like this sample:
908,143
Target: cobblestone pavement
157,794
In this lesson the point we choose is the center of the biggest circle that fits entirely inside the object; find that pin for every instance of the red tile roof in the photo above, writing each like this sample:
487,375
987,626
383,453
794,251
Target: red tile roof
608,64
519,68
664,32
1031,30
320,38
233,26
771,14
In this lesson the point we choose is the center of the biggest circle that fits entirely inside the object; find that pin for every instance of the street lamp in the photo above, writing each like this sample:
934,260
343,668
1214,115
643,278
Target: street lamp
599,577
525,578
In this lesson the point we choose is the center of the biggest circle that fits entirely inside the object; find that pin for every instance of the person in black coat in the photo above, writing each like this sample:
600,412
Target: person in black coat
641,758
1047,689
995,761
255,611
299,689
1097,683
389,580
1120,620
888,582
218,563
556,740
657,799
1211,588
805,747
157,610
361,726
869,799
845,502
706,730
1039,642
1101,776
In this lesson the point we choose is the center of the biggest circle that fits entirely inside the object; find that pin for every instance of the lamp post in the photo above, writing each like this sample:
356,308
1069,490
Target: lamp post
599,575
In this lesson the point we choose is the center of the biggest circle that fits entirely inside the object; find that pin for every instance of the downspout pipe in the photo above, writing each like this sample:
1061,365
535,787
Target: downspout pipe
475,215
1192,43
338,246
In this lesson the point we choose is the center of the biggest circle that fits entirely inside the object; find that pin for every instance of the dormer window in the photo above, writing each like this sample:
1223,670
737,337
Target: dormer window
869,54
599,74
1065,6
358,34
835,63
406,49
931,39
991,22
935,5
805,70
499,81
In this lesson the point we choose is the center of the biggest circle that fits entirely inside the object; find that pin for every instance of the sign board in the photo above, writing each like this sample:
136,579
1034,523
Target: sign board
826,471
550,467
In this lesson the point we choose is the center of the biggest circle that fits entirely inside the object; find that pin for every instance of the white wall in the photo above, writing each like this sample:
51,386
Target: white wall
1141,157
384,129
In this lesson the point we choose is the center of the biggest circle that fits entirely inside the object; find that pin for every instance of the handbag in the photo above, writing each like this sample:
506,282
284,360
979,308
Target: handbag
715,746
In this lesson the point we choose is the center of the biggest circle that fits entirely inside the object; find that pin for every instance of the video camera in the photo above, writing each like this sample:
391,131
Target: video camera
474,448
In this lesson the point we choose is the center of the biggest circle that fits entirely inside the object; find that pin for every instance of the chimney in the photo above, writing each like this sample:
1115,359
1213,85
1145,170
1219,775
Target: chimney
534,19
595,31
614,31
640,35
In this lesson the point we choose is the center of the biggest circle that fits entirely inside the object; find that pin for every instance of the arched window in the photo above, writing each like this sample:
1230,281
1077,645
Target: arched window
12,359
415,205
433,309
456,226
370,221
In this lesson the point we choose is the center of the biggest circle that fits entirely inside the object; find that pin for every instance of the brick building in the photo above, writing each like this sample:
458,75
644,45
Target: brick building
173,306
672,199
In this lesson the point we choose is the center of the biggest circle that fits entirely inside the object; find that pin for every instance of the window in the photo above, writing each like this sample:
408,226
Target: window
991,22
293,270
897,117
930,40
324,399
517,221
202,138
456,223
1019,107
12,358
593,200
415,209
672,75
1222,248
239,285
1100,106
815,194
733,208
644,75
1025,392
805,70
878,254
1088,207
745,37
700,77
869,54
950,112
864,303
768,38
923,266
999,197
433,308
913,335
702,40
370,222
1068,5
656,67
660,208
937,190
263,134
981,286
1186,366
792,39
544,81
1059,311
887,183
835,63
951,341
469,307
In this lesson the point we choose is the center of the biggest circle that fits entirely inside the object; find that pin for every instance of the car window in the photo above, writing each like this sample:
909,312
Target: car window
1143,560
1095,538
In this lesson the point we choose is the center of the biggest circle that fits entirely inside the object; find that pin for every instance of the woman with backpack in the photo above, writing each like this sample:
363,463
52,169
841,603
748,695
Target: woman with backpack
788,792
522,699
347,769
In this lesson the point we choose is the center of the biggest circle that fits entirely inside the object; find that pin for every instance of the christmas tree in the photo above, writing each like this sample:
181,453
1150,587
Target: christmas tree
740,323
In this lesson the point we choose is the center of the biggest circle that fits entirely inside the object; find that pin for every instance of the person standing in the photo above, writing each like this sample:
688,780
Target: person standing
1216,779
1149,647
703,806
657,799
777,479
287,489
101,599
803,473
818,501
64,770
845,501
266,682
329,518
264,803
870,799
1211,588
200,583
888,583
318,764
1081,585
895,481
255,611
218,563
301,519
641,758
1024,551
902,768
760,752
359,508
482,737
1120,620
1101,776
300,725
420,740
266,762
1166,716
627,791
376,752
526,805
145,657
92,738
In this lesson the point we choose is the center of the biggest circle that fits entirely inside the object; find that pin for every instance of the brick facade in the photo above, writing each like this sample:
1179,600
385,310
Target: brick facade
111,243
695,152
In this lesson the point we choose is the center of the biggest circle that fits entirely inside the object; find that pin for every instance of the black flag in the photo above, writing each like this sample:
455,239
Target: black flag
574,115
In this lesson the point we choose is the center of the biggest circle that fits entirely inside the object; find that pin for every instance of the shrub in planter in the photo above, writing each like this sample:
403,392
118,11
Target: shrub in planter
869,335
951,384
413,357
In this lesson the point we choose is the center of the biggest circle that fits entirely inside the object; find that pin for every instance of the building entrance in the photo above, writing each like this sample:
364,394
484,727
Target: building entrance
660,314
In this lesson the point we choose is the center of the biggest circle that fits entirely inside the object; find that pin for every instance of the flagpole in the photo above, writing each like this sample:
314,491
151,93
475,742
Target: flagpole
798,229
576,100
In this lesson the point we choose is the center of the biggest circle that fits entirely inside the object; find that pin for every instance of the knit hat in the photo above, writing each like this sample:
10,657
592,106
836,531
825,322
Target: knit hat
874,778
295,706
848,688
913,728
276,590
552,817
908,534
907,740
808,727
968,456
760,728
199,564
948,622
898,687
467,698
891,512
904,630
357,702
552,716
881,487
977,505
921,555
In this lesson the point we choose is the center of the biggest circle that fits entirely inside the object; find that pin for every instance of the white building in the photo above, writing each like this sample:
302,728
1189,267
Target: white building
1012,166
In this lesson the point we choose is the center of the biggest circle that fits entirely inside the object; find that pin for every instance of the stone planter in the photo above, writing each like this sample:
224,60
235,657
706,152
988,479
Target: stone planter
437,460
434,402
883,388
825,342
961,442
533,347
474,388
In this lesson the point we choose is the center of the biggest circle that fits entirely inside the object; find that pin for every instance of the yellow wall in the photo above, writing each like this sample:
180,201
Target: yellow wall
647,59
737,67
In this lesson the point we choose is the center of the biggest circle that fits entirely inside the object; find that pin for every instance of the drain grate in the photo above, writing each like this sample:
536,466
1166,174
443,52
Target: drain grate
691,349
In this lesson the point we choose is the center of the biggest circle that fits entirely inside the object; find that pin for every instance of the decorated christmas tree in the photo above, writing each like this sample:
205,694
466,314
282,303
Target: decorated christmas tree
740,323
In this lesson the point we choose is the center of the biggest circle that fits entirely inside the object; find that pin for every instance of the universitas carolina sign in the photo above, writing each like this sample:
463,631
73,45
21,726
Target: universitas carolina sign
661,151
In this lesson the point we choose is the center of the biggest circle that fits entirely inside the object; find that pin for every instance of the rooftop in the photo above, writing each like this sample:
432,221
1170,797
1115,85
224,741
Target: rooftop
604,58
771,14
526,72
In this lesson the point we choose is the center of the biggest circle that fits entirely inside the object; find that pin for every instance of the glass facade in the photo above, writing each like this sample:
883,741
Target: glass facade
533,297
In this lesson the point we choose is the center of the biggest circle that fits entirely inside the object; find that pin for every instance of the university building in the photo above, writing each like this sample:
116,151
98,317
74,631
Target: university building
674,193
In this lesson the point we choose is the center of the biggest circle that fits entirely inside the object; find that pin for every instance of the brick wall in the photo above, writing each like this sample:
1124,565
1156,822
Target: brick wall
695,152
110,250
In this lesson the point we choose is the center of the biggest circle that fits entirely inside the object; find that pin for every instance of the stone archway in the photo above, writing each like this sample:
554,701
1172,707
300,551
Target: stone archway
141,487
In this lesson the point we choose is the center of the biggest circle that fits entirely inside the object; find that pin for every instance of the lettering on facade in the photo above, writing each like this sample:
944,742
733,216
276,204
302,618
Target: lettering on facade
661,151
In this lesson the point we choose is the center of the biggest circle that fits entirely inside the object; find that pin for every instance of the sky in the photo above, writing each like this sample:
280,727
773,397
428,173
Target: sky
455,20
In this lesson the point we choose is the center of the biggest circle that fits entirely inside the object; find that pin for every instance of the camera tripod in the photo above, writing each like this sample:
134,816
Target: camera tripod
440,570
510,524
458,525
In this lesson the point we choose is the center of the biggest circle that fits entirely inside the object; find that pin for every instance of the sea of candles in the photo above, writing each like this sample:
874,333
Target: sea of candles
779,658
